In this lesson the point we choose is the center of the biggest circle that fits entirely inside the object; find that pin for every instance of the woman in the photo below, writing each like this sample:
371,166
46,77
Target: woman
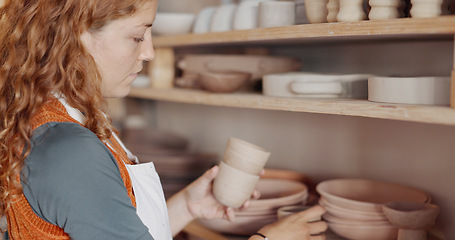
64,174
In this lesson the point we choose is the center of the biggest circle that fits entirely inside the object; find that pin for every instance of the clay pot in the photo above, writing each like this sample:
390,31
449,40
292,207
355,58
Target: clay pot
370,232
223,82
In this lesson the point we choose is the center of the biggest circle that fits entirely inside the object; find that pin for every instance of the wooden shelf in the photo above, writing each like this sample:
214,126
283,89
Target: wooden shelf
347,107
403,28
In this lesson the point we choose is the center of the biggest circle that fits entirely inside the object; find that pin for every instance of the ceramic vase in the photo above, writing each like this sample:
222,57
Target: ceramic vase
384,9
333,7
316,11
351,11
425,8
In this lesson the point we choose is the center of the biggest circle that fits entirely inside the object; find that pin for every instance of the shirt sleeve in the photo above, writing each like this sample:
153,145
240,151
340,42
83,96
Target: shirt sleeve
72,180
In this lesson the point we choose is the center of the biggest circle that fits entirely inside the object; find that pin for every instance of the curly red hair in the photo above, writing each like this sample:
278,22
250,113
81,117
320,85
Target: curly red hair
41,53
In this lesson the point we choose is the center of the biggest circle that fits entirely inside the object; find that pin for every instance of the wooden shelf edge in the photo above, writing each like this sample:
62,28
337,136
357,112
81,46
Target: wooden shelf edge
347,107
401,28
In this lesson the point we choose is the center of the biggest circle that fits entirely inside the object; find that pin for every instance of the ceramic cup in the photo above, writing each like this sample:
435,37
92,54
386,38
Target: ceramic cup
426,8
233,187
203,20
222,18
276,13
245,156
316,10
245,16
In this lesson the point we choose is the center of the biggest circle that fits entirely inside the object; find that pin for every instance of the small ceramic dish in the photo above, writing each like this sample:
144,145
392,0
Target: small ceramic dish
223,82
410,90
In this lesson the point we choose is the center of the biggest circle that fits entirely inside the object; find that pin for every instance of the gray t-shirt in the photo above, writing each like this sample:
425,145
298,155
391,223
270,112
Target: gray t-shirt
72,180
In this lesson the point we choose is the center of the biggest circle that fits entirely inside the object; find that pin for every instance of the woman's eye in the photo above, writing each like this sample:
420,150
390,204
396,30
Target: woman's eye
139,39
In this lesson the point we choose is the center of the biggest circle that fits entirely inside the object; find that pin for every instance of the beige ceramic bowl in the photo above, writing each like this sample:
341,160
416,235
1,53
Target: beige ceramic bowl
223,82
346,213
364,232
367,195
336,219
243,225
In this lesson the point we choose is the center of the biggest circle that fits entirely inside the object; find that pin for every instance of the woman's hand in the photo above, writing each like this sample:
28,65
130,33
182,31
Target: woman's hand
202,203
197,201
297,226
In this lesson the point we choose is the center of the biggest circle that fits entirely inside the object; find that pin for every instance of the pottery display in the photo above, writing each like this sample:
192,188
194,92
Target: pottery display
351,11
426,8
413,219
232,187
173,23
222,18
315,85
316,11
245,156
276,13
204,20
410,90
384,9
223,82
256,65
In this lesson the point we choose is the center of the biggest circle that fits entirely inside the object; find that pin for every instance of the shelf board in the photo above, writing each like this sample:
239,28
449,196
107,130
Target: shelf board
402,28
347,107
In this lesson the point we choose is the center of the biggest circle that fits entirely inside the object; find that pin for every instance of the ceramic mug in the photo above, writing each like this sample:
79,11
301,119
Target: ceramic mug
245,156
276,13
222,18
204,20
233,187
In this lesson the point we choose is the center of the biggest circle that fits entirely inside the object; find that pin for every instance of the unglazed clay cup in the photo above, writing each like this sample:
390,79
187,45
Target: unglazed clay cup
276,14
233,187
245,156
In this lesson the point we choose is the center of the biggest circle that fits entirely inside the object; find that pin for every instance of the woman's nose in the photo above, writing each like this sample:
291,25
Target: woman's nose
147,50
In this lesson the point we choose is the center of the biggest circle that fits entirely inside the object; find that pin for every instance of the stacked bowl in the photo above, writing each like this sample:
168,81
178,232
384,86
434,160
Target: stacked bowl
354,206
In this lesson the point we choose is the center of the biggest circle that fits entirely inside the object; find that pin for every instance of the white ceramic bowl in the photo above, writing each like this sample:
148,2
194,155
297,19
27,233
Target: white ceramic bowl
410,90
367,195
173,23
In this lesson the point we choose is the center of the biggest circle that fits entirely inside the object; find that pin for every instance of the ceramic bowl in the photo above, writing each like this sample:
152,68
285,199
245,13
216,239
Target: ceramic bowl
329,217
276,13
223,82
350,214
411,215
362,232
276,193
243,225
367,195
410,90
173,23
285,211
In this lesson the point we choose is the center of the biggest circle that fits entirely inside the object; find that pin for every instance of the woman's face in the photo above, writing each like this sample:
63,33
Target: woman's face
120,48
